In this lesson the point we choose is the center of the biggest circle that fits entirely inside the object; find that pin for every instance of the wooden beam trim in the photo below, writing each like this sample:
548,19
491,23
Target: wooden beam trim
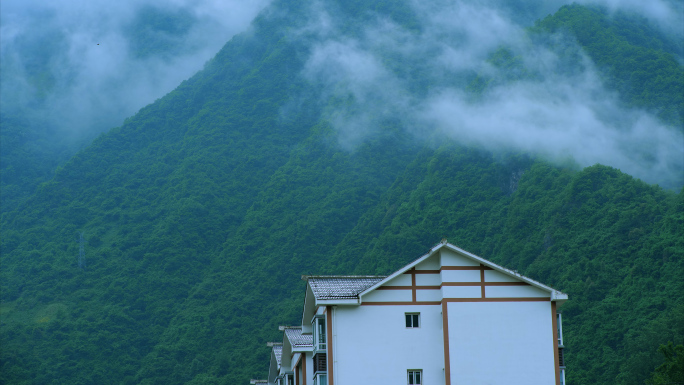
413,285
466,268
448,268
394,288
482,280
507,284
409,287
401,303
485,284
437,287
508,299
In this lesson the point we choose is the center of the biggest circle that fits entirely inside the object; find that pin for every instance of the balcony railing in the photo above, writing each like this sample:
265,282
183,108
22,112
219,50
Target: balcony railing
320,363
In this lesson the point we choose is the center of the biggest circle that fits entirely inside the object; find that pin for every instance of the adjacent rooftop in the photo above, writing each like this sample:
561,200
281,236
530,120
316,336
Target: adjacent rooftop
296,338
341,286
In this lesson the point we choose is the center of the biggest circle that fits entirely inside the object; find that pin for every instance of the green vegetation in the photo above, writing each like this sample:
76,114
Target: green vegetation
672,370
202,211
639,62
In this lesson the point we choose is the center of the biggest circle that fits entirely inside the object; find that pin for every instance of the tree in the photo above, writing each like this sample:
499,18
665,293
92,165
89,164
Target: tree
671,372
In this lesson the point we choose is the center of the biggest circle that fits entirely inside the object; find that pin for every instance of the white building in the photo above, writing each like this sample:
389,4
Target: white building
448,318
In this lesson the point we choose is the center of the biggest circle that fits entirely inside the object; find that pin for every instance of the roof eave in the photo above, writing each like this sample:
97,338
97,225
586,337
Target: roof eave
331,302
308,309
559,297
302,349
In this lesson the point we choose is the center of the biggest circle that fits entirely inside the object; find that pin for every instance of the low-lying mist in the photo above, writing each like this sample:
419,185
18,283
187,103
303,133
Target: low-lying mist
547,98
74,69
82,67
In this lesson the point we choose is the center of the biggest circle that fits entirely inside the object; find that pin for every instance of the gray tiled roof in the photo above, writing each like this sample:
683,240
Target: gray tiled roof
341,286
278,351
296,338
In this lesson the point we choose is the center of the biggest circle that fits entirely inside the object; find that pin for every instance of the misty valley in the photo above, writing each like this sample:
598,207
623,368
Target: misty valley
166,181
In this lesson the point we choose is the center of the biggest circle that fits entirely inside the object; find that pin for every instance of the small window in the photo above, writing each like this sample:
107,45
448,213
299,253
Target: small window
415,377
412,320
319,333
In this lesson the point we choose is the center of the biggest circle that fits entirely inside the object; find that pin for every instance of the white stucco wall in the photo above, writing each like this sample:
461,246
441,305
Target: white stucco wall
460,276
514,291
309,369
401,280
450,258
431,263
373,346
495,276
501,343
428,295
388,296
427,279
461,291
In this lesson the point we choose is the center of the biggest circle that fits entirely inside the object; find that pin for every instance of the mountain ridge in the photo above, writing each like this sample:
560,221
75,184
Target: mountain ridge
202,211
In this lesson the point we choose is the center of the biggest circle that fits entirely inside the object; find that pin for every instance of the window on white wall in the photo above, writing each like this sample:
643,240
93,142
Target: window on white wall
412,320
415,377
319,333
321,379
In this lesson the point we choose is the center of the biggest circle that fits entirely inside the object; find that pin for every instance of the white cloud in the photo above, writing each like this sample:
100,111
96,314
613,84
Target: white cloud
85,48
665,14
557,114
96,86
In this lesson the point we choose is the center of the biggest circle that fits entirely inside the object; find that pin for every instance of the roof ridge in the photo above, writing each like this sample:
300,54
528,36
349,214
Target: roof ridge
281,327
342,276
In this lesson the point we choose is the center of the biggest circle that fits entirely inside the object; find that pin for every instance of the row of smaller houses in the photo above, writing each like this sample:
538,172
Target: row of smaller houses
449,317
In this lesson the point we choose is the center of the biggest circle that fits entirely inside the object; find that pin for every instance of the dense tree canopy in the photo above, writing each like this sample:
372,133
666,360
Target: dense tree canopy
202,211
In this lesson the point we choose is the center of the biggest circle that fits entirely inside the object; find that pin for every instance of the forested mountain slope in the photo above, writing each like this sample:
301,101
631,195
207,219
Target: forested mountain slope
640,62
71,72
202,211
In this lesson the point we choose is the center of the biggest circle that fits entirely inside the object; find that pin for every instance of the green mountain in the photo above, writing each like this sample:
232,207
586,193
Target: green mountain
52,80
639,61
201,212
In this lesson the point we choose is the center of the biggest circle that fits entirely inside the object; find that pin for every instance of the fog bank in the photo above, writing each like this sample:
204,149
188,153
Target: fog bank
540,102
84,66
